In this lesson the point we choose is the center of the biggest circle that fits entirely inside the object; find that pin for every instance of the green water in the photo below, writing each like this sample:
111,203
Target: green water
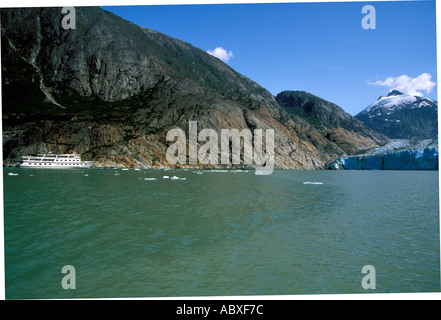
219,233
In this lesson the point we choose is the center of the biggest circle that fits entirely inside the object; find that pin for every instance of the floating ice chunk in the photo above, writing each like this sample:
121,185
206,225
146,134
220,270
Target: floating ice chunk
308,182
174,178
85,175
165,177
150,179
12,174
124,169
183,178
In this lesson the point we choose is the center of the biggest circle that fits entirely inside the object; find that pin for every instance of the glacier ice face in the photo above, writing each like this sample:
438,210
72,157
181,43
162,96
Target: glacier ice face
420,157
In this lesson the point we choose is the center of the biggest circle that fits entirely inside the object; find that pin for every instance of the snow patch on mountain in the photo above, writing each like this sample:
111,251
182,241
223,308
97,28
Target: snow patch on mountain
392,102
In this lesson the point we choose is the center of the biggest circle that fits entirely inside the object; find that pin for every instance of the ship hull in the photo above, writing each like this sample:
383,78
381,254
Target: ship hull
53,161
81,165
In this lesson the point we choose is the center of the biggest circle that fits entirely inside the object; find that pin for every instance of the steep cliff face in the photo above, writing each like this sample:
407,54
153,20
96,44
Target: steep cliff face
111,90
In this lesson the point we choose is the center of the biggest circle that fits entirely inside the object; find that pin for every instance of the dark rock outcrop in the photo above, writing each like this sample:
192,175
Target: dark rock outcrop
331,120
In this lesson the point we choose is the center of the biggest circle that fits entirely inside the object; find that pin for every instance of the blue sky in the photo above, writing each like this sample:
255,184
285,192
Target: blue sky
320,48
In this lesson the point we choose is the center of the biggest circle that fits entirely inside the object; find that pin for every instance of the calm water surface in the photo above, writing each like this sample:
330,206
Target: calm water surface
219,233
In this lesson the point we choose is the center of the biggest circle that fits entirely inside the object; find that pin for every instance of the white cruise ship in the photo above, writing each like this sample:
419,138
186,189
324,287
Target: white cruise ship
53,161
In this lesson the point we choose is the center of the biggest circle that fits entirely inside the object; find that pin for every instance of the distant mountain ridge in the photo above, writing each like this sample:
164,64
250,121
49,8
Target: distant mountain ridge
401,116
330,119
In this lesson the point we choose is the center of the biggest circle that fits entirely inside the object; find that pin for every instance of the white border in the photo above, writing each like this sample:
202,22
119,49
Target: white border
371,296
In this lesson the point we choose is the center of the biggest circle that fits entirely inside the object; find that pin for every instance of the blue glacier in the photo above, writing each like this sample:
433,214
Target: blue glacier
400,155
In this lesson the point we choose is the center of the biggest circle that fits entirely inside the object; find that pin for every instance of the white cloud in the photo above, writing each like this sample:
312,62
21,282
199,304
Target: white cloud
408,85
221,53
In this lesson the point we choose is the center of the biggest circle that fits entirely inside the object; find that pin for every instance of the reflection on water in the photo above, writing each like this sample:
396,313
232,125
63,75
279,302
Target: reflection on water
219,233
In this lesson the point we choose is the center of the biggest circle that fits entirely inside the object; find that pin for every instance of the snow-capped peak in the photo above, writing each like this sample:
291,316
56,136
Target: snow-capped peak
401,116
394,100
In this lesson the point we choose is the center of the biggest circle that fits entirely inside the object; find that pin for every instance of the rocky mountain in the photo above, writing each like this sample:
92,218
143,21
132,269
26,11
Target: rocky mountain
111,90
334,123
401,116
